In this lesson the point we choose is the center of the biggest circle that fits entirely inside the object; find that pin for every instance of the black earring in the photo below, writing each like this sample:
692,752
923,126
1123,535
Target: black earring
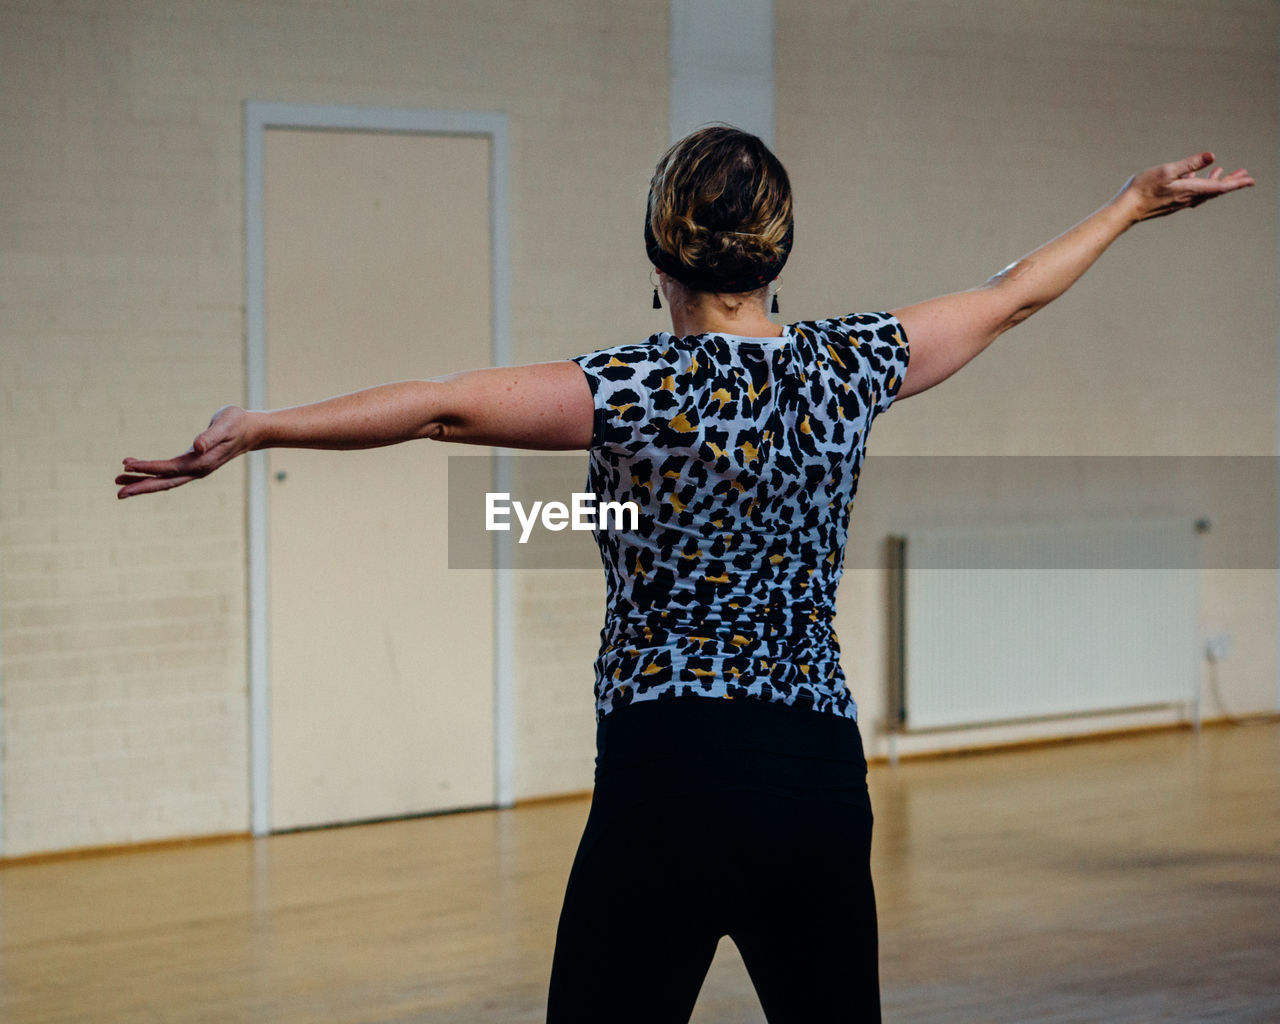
656,303
774,308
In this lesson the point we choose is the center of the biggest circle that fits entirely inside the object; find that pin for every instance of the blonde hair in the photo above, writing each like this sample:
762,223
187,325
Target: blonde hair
719,202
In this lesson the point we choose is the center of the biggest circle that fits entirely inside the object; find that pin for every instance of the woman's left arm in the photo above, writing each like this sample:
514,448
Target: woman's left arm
545,406
946,332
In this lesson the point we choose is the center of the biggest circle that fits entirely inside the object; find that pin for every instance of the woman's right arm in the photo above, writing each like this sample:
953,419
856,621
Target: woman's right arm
946,332
545,406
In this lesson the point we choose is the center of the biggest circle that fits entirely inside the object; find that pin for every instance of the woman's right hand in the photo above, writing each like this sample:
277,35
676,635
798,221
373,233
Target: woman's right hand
1167,188
227,436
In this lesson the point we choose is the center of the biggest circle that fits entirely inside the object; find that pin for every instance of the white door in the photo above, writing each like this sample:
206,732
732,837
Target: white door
380,658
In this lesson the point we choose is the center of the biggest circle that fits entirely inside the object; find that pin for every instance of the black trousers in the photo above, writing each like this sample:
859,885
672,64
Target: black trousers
719,817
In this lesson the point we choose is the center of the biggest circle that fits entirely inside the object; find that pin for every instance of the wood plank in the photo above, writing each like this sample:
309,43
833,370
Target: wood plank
1126,880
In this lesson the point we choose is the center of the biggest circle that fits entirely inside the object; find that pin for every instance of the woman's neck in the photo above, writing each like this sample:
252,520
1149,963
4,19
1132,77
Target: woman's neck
710,314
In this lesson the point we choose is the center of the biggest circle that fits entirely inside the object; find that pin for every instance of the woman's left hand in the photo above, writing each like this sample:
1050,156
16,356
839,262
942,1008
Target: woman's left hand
946,332
1167,188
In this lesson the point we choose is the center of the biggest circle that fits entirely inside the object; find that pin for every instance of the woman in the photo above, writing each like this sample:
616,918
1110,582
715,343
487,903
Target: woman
730,781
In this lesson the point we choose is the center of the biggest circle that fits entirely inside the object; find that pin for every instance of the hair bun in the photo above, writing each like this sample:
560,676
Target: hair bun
719,216
740,246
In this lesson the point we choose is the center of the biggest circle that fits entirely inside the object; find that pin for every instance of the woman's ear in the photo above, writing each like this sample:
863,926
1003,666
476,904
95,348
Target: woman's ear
665,285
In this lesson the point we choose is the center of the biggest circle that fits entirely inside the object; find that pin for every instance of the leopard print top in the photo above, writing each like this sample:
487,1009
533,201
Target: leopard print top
743,455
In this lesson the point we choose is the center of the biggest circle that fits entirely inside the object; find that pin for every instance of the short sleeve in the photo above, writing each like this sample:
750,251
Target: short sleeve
630,385
882,352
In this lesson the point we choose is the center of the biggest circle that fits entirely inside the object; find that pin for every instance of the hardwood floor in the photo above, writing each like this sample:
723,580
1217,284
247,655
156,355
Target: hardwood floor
1124,880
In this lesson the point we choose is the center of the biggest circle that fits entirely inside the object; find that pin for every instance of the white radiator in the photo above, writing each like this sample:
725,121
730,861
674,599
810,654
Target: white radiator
1010,623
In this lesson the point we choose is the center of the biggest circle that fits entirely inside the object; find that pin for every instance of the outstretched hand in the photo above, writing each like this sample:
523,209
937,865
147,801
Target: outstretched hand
226,437
1159,191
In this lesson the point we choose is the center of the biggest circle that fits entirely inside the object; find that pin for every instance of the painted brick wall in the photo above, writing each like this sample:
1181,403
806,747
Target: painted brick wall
932,144
122,627
121,329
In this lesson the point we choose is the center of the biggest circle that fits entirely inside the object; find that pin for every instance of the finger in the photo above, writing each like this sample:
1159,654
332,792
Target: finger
183,463
135,478
212,436
1191,164
1206,187
149,484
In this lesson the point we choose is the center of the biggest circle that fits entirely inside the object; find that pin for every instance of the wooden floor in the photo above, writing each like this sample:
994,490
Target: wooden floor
1127,880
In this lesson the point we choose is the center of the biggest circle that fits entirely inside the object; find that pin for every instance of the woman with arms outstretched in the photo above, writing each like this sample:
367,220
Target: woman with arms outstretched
730,792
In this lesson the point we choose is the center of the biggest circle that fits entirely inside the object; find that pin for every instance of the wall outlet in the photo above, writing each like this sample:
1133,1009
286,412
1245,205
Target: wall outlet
1216,648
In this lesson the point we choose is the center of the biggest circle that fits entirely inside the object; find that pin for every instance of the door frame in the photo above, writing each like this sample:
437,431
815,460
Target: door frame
259,116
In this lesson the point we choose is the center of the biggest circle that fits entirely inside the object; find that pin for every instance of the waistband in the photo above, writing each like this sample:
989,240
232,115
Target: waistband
699,726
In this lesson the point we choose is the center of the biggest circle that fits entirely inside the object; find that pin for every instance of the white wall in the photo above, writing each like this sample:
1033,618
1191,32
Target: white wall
722,65
121,330
929,144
